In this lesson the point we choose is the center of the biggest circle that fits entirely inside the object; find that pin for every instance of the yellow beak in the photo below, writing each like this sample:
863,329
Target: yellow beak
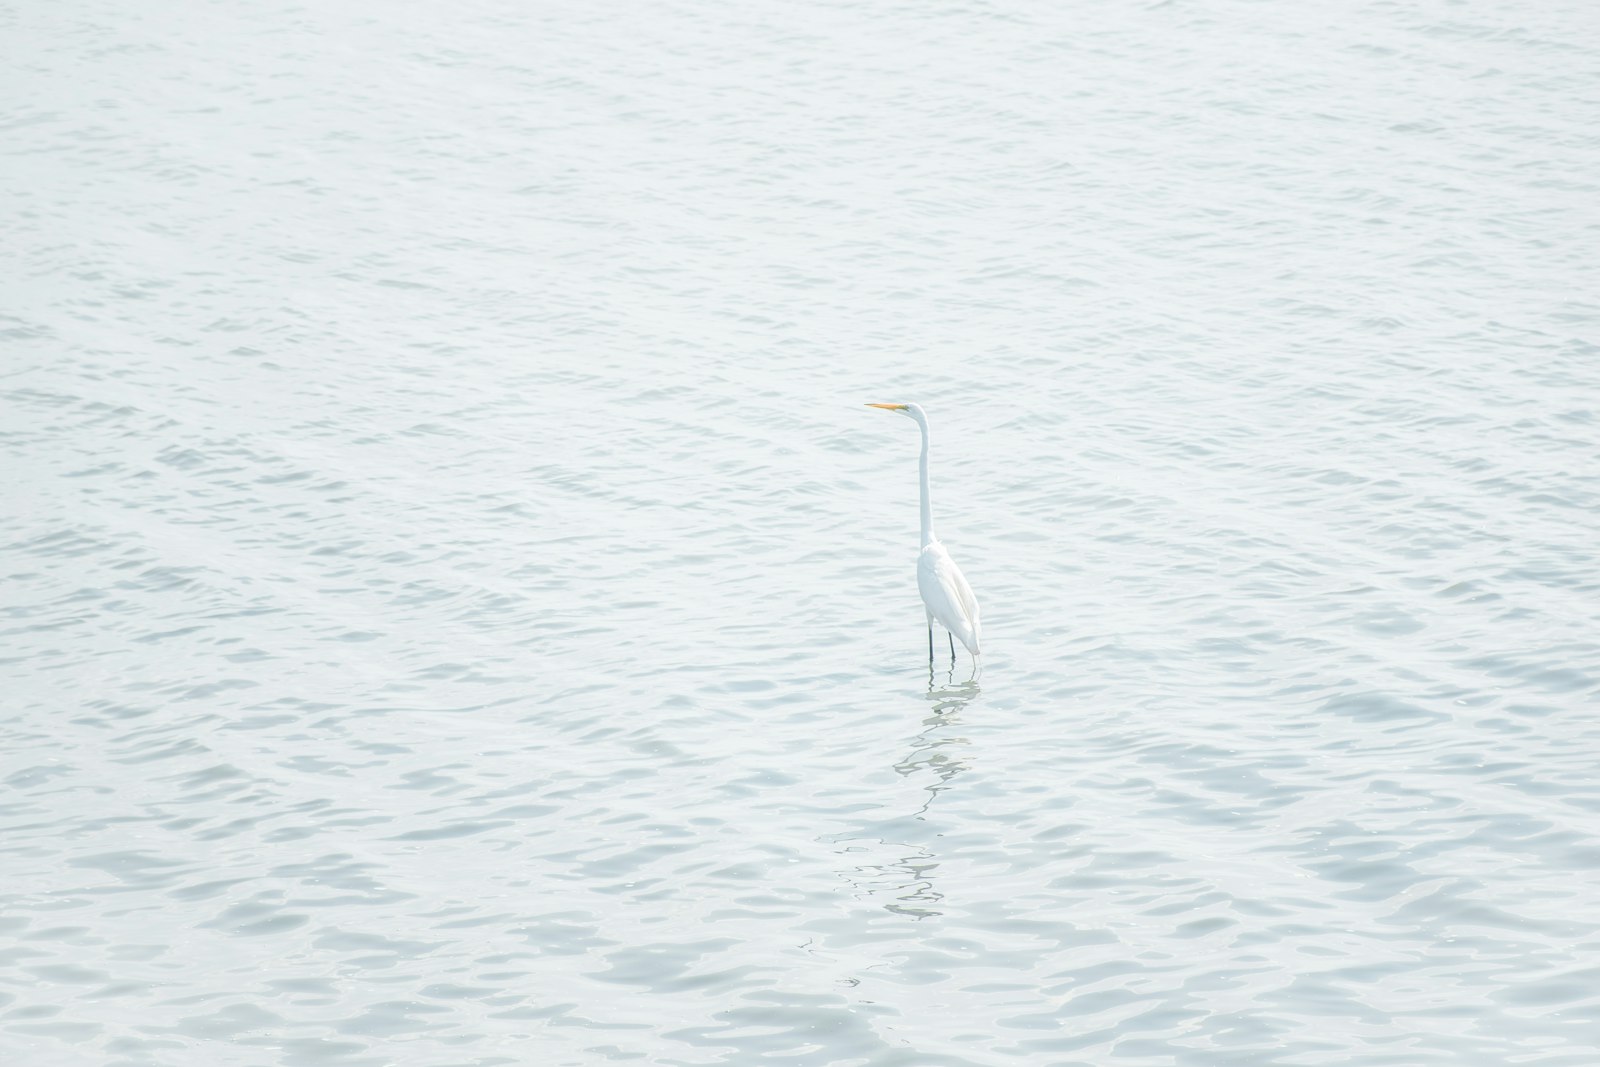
888,407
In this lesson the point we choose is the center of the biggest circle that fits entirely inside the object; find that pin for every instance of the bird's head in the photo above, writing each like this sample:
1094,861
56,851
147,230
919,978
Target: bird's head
911,410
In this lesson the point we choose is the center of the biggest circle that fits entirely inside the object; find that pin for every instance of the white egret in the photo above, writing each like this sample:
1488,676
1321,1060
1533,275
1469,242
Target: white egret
946,596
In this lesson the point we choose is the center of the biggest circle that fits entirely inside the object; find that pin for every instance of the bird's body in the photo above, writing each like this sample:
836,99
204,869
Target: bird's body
946,596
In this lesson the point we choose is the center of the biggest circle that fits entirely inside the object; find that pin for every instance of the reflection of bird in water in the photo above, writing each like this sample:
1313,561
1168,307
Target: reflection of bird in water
941,751
951,700
917,897
935,748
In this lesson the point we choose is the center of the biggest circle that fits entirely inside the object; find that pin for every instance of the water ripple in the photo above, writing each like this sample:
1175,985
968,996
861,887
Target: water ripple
459,612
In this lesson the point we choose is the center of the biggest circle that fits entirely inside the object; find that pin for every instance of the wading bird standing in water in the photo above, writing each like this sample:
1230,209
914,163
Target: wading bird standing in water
945,592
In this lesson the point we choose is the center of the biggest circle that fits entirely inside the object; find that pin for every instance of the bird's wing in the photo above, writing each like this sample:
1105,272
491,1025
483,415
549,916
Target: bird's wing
969,602
948,596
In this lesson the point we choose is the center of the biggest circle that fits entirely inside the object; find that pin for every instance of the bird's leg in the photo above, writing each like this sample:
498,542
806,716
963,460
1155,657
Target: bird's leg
952,651
930,642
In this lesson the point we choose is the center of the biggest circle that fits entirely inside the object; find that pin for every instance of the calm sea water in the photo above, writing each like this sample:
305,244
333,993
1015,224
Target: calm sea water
458,612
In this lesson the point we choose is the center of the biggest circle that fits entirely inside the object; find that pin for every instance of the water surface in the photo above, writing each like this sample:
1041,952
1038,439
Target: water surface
458,611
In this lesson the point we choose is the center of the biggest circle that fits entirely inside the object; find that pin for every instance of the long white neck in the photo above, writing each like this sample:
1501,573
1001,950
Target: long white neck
927,505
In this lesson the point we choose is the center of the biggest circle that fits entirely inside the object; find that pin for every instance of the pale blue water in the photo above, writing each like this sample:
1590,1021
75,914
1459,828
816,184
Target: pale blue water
458,611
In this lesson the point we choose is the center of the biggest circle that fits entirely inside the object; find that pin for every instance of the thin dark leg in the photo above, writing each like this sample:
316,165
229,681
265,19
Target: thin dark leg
930,646
952,649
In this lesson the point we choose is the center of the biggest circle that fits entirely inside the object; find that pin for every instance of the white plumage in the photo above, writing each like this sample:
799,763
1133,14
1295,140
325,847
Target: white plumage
946,596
